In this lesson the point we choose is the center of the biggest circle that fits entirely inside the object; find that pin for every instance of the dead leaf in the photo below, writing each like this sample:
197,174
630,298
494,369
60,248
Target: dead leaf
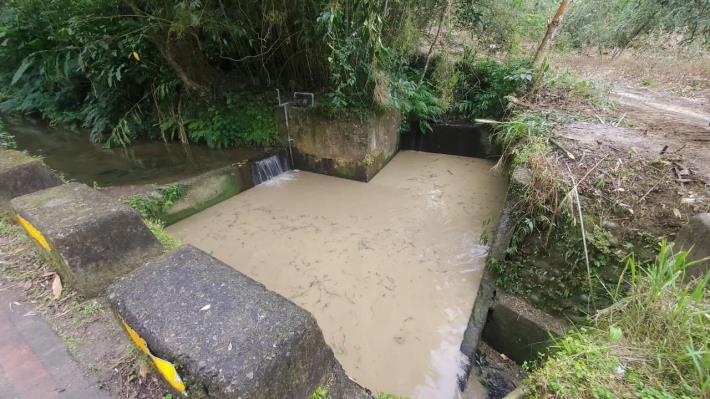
143,371
677,213
57,286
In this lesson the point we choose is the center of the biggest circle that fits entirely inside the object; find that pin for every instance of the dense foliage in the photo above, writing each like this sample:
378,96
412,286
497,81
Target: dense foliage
205,71
618,24
129,68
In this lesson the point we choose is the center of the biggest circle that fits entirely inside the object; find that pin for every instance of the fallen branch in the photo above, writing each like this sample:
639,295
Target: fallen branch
650,190
516,101
567,152
488,121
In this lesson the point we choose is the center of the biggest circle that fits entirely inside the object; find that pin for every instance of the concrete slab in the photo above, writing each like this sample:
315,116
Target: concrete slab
33,360
91,239
22,174
227,335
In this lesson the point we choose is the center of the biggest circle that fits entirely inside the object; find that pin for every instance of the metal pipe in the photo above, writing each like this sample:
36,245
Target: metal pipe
289,140
305,94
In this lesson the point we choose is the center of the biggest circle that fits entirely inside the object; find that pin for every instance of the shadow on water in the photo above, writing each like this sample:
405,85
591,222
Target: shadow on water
77,158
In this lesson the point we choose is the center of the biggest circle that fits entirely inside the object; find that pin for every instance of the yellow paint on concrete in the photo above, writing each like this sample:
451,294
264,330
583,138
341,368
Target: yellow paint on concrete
33,232
165,368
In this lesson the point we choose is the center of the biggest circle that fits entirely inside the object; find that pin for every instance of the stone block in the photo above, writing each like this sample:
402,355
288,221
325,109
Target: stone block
91,238
695,237
22,174
518,330
227,335
349,147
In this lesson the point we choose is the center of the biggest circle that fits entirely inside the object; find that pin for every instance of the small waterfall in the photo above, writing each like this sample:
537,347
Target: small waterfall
268,168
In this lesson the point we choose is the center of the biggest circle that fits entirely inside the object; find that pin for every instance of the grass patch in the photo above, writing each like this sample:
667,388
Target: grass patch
154,206
569,86
653,343
322,393
158,229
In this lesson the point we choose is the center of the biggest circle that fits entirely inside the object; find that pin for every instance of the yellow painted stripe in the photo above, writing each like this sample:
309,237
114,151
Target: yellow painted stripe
165,368
33,232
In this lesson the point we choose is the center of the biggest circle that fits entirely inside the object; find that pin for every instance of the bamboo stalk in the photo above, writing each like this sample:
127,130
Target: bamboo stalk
552,27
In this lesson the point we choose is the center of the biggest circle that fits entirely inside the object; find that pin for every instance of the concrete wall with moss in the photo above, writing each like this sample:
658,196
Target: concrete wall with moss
354,147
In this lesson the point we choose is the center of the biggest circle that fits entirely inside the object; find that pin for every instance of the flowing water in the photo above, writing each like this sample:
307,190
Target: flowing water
72,154
389,268
268,168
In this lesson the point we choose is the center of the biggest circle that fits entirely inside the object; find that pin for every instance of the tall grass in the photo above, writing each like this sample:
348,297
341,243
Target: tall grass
653,343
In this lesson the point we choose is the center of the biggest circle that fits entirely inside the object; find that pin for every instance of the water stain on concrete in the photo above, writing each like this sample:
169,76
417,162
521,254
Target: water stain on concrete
389,268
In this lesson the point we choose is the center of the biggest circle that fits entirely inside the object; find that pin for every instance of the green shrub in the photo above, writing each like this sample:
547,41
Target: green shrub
158,229
417,103
484,84
246,118
653,343
154,206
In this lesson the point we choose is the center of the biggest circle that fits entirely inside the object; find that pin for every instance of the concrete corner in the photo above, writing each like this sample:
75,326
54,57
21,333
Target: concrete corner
695,237
227,335
519,330
22,174
91,238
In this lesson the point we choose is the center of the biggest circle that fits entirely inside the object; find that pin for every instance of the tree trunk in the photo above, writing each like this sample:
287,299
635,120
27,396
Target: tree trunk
433,43
552,27
184,55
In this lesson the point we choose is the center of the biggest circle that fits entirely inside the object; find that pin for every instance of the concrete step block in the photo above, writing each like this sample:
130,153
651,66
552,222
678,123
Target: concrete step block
226,334
91,238
22,174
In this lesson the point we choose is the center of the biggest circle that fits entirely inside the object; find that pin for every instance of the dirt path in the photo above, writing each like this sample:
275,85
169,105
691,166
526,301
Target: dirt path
693,112
666,124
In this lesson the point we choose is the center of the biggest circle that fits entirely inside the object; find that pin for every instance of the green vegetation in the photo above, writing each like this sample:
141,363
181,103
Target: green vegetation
245,118
322,393
652,343
618,24
154,206
6,139
206,71
158,229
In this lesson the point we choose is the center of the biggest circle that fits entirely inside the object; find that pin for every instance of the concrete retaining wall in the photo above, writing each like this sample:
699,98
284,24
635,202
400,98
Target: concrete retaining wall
508,324
464,139
202,191
349,148
518,330
22,174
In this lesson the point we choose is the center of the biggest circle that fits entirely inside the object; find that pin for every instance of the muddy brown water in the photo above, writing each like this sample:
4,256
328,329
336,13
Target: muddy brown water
389,268
72,154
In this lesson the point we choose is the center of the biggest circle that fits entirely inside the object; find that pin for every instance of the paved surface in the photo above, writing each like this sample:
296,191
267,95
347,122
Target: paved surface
34,364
